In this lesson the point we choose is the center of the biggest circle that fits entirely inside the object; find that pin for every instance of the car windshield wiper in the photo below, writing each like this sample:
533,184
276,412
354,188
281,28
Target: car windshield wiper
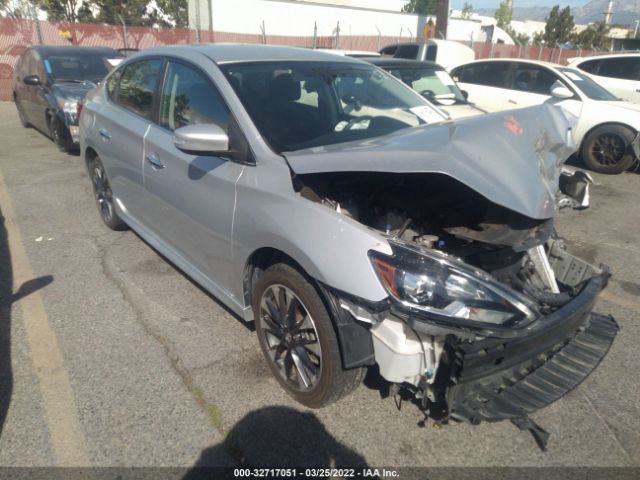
72,80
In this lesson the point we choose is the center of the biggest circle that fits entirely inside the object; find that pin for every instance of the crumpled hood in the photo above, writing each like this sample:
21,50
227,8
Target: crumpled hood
72,91
512,158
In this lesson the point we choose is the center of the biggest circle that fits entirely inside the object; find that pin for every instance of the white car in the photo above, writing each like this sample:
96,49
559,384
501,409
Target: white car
606,133
620,74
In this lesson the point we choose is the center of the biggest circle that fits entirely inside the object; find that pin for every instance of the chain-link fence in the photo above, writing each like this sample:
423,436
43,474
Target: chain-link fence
17,34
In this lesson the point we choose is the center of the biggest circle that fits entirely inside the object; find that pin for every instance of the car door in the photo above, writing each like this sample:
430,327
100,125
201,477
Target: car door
121,125
28,94
193,195
531,85
485,82
41,105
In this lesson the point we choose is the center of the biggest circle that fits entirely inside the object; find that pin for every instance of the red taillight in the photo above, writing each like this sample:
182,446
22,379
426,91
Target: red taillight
79,106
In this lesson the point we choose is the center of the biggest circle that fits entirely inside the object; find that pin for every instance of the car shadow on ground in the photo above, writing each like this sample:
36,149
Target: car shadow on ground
7,299
277,437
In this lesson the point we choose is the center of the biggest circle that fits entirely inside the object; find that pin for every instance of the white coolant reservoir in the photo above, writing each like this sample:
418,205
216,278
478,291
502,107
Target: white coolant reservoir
400,353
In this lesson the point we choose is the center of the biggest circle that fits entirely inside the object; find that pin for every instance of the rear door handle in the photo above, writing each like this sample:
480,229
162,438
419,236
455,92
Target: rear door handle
155,161
512,102
106,134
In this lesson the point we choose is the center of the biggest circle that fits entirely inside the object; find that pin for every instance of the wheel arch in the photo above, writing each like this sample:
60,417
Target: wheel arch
604,124
354,339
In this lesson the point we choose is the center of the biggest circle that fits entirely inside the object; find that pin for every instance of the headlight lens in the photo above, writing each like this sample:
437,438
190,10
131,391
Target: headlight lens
446,288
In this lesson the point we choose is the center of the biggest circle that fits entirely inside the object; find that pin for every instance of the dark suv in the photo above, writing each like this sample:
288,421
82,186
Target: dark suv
49,82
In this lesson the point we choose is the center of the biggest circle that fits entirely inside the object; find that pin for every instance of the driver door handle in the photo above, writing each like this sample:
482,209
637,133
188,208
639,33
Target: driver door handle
155,161
104,133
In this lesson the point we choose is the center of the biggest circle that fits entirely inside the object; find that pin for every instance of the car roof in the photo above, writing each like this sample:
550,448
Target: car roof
401,62
520,60
50,49
237,52
600,57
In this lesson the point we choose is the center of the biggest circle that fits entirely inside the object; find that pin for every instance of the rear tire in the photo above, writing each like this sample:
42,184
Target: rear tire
606,149
298,340
104,196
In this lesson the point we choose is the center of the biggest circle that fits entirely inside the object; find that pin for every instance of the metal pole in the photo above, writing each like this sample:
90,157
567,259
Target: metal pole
37,22
124,31
400,35
264,32
379,36
442,18
338,34
197,21
635,33
315,35
210,22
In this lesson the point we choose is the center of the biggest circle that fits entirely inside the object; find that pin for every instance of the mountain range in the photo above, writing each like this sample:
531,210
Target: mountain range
625,12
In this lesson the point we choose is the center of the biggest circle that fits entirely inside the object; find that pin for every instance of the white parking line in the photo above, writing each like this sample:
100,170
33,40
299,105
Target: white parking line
61,414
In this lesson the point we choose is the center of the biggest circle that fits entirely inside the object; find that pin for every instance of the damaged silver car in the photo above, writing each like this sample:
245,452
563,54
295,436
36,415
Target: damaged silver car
355,223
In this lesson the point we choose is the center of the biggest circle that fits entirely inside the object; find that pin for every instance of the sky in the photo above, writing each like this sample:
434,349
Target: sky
457,4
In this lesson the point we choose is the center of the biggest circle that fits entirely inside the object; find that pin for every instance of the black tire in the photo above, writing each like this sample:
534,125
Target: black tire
21,116
331,382
60,135
104,198
606,149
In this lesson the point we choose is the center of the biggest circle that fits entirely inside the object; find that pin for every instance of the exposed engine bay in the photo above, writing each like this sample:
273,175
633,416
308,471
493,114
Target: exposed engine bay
486,278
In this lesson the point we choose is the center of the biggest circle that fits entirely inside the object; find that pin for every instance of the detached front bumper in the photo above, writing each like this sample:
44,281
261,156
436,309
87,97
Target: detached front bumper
497,379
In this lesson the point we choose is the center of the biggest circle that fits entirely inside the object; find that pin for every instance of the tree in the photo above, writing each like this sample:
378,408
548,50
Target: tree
173,13
63,10
595,35
503,15
467,10
559,26
519,38
423,7
14,9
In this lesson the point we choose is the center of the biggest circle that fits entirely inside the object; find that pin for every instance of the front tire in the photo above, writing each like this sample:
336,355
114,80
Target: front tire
60,136
104,196
298,339
606,149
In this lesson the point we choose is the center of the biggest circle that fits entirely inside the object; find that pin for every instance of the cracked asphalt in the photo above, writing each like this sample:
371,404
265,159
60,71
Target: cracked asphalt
163,375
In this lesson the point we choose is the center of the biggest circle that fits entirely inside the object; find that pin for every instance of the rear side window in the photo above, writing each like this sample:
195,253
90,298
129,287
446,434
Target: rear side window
407,51
490,74
136,86
625,68
389,50
189,98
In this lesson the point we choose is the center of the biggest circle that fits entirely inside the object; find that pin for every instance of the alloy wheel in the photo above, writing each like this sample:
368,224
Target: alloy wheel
290,336
104,196
608,149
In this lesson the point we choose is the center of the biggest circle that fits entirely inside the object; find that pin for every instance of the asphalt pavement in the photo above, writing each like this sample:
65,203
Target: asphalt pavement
110,356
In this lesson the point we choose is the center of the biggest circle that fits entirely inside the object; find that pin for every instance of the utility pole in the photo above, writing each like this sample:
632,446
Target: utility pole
609,13
442,18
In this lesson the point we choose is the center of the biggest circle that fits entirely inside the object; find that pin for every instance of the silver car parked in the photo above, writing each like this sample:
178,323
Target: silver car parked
356,224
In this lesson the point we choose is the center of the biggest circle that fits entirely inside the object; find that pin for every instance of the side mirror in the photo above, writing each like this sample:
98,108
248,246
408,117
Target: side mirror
465,94
33,80
561,92
203,138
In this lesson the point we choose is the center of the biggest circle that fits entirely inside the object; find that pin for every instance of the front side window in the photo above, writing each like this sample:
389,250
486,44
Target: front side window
590,66
534,79
137,84
189,98
298,105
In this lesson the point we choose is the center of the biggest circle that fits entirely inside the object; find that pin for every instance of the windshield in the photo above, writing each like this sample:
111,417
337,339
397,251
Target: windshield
436,85
587,86
78,66
298,105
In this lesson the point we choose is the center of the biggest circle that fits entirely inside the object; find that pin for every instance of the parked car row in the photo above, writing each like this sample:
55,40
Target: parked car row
355,222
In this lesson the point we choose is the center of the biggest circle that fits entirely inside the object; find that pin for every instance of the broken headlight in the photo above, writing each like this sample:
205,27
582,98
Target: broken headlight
446,288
